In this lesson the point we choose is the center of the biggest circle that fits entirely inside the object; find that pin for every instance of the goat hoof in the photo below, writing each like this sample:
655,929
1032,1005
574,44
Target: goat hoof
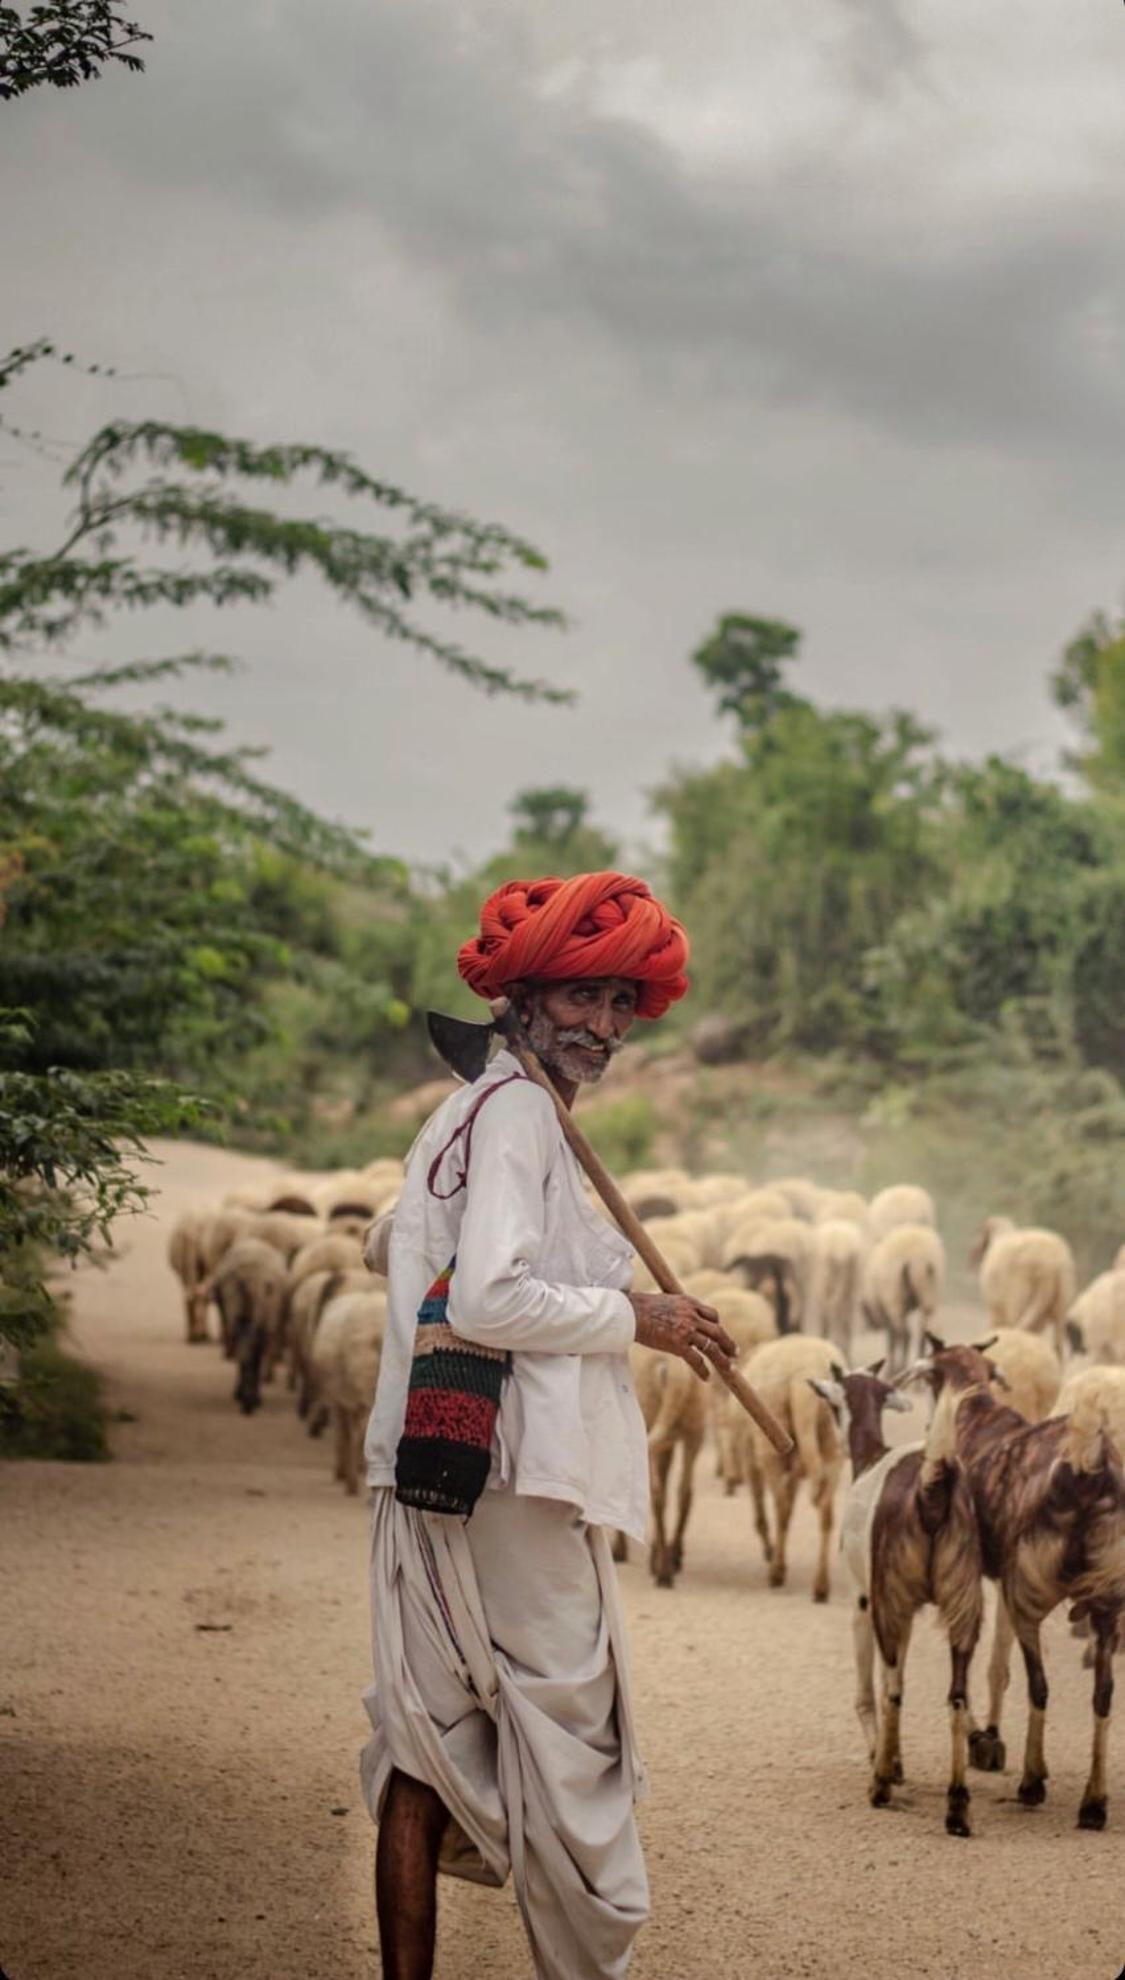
776,1575
987,1752
677,1559
820,1594
880,1794
897,1774
1032,1790
956,1824
1091,1815
664,1580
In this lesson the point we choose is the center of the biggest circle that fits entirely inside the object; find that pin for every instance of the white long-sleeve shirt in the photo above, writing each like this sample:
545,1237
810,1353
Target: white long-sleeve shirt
539,1274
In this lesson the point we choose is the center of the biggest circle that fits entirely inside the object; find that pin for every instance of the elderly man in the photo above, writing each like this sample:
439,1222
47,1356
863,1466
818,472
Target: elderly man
503,1731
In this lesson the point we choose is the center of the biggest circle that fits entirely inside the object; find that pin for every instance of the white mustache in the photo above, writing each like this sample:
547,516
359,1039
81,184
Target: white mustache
578,1035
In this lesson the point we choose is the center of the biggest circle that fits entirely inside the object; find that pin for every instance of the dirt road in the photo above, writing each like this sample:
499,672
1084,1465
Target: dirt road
184,1645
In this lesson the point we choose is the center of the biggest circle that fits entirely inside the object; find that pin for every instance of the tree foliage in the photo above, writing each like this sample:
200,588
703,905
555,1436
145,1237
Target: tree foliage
845,887
64,44
744,660
169,909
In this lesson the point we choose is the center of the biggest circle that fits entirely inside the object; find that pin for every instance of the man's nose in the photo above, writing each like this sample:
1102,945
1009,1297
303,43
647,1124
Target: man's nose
601,1022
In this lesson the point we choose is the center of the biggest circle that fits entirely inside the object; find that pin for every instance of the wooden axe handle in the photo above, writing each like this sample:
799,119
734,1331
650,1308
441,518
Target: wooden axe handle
511,1030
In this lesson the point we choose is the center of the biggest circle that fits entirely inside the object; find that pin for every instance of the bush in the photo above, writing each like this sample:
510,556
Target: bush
54,1410
622,1131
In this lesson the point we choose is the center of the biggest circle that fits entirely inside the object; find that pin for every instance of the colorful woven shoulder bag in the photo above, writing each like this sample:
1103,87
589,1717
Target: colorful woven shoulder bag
445,1450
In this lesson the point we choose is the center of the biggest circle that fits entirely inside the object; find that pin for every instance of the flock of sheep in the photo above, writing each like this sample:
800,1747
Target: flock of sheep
1018,1479
794,1271
284,1267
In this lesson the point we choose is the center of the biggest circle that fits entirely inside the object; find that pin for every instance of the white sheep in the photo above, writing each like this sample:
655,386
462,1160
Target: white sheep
1027,1276
1031,1370
655,1192
800,1194
902,1203
903,1274
842,1205
1095,1324
673,1403
750,1321
188,1262
835,1272
249,1290
782,1372
774,1258
345,1356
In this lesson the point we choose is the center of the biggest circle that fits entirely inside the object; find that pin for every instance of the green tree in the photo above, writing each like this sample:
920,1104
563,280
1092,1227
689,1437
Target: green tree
64,44
792,863
1089,683
153,881
553,829
744,661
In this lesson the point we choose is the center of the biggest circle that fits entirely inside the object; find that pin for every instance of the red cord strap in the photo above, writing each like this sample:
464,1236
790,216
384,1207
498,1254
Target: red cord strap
466,1129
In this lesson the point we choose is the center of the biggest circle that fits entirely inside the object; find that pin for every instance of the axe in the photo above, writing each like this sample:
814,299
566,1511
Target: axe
465,1047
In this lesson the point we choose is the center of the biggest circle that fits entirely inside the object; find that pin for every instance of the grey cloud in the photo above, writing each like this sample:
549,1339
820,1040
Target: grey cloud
700,383
541,210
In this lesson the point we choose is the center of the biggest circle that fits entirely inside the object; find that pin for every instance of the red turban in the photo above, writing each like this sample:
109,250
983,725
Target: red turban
597,924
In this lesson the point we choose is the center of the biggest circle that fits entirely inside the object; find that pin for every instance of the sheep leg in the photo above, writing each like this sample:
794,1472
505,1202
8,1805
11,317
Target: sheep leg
888,1750
863,1642
957,1795
1091,1814
340,1426
758,1501
987,1751
824,1509
1033,1786
784,1499
688,1454
659,1559
353,1440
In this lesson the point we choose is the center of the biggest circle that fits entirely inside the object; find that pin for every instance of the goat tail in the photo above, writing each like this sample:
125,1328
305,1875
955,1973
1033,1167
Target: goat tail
940,1468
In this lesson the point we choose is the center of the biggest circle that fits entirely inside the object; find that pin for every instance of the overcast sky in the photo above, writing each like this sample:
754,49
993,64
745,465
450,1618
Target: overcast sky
812,308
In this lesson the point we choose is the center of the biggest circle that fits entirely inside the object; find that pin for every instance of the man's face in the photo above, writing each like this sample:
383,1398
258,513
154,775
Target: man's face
575,1028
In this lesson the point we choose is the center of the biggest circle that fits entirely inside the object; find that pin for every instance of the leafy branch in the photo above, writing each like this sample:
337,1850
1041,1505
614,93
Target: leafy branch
64,44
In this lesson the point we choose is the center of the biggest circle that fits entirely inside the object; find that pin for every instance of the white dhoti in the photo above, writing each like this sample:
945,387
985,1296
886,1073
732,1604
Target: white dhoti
501,1682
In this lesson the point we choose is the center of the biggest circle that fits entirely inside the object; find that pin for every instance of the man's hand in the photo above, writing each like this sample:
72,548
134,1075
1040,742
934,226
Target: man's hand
674,1324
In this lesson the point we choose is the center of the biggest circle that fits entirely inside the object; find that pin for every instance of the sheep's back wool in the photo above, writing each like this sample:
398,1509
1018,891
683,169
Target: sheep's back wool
445,1449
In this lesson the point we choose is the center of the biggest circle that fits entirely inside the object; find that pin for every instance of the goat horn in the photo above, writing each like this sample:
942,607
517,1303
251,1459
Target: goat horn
918,1371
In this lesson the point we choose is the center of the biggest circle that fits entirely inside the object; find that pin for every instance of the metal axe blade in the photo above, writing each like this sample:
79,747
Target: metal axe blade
464,1046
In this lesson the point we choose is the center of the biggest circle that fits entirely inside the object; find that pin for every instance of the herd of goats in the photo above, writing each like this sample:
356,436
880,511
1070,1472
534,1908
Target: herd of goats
1018,1478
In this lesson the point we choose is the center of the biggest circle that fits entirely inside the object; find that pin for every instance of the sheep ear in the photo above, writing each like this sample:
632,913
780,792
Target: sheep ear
838,1372
875,1367
998,1376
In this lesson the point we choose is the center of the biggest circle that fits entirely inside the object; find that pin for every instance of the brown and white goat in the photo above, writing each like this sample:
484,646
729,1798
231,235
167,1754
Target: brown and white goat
1050,1506
909,1536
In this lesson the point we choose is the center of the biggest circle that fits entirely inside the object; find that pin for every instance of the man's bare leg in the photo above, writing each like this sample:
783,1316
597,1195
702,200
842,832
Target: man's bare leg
406,1862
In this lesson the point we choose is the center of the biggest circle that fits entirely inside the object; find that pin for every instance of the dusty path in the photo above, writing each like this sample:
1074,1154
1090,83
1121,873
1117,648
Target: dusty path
179,1802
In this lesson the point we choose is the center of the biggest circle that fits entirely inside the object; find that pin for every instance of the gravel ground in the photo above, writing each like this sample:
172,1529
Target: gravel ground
183,1651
